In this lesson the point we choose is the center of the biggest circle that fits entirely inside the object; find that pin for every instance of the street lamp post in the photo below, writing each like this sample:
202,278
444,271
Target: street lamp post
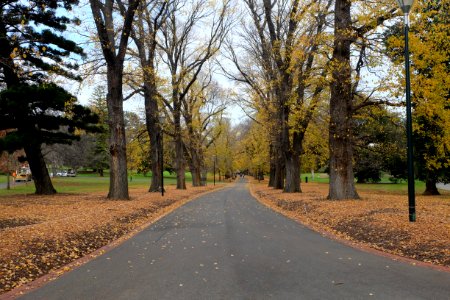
161,121
406,5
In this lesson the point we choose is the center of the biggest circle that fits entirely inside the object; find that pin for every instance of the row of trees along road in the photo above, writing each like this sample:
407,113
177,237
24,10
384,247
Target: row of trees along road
301,68
288,63
33,53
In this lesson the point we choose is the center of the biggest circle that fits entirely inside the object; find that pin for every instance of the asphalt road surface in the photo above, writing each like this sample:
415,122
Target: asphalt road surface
225,245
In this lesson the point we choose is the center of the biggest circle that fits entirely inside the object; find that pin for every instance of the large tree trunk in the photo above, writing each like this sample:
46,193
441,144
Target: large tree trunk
154,133
146,45
114,49
196,175
195,166
430,187
179,147
340,135
179,163
41,178
292,174
279,172
280,162
118,183
292,184
157,160
272,166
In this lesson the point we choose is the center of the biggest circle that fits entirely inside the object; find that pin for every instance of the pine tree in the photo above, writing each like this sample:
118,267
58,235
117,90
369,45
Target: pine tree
39,114
32,47
31,41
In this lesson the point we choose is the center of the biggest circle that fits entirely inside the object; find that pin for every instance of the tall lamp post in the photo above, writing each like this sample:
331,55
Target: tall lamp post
406,5
161,122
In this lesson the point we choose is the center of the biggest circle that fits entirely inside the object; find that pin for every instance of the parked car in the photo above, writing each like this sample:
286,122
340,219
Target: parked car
61,174
23,174
71,173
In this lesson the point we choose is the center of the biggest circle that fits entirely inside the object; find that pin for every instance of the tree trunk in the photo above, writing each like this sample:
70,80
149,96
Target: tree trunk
292,174
272,166
179,147
118,183
157,161
8,172
154,133
279,172
41,178
146,45
430,188
279,159
179,161
114,51
292,184
195,166
196,176
8,179
340,134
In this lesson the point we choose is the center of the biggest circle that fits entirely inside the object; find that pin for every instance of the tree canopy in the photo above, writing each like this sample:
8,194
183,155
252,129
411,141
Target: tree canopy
32,45
41,114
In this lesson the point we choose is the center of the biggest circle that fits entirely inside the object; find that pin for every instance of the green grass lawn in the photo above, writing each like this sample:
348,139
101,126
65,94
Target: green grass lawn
2,178
385,185
318,177
400,188
84,183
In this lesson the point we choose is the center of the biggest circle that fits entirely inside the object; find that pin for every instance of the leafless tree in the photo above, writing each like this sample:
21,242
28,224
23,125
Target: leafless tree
192,34
204,102
149,19
114,40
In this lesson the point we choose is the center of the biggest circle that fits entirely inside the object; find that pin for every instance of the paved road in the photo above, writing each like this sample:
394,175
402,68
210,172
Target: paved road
226,245
13,184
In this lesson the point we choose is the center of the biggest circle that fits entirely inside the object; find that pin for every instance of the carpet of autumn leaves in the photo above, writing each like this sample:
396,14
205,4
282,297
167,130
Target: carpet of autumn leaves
379,220
39,234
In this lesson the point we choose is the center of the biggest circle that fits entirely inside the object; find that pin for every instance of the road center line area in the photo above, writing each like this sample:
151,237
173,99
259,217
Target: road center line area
226,245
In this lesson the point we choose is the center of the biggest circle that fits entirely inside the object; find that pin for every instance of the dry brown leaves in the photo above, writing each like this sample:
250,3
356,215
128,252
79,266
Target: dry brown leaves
379,220
43,233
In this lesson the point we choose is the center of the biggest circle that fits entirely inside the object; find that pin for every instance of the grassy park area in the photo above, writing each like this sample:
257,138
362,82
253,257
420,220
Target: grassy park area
84,183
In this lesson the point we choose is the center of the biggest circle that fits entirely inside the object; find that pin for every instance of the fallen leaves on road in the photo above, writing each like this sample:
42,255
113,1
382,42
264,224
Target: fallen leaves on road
379,219
43,233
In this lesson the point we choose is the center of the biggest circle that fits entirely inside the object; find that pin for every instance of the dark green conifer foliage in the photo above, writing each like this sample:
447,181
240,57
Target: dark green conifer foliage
38,114
32,43
32,47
